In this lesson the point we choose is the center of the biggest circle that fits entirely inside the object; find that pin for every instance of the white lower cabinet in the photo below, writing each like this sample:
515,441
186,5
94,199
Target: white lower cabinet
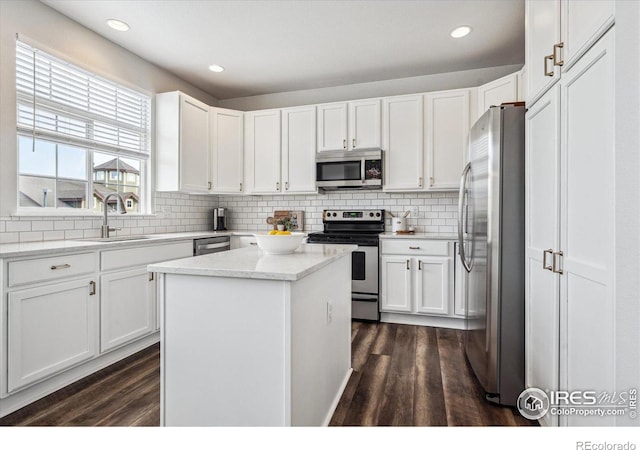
417,282
243,241
50,328
127,309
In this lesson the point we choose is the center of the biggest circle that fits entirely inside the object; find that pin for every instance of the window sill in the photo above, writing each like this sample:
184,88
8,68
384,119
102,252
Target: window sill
73,213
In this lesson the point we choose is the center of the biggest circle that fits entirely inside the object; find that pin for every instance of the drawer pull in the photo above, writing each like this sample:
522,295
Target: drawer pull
92,288
253,243
61,266
414,248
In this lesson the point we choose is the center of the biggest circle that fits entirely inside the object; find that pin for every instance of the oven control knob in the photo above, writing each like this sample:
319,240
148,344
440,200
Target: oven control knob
334,214
370,214
377,214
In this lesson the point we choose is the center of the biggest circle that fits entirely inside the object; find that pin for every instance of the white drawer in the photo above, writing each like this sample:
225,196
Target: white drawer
414,247
140,256
52,268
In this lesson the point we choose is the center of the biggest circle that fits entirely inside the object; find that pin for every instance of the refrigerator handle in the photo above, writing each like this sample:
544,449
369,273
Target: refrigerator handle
461,196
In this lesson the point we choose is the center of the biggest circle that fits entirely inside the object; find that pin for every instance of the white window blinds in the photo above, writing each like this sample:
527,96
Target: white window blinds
60,102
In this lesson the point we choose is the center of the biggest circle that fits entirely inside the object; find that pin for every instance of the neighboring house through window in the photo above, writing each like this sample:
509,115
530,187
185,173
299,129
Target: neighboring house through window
80,137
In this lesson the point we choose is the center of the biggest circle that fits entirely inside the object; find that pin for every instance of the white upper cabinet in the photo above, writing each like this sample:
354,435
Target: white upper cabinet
182,143
262,146
558,33
499,91
447,136
299,149
364,125
349,126
403,131
227,151
332,127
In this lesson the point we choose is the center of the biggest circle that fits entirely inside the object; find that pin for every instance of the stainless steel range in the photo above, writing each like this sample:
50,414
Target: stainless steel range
359,227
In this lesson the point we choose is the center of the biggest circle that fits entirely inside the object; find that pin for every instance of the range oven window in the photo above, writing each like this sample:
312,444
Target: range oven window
358,266
337,171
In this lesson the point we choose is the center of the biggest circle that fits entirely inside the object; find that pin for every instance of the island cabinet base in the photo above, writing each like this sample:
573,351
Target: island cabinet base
255,352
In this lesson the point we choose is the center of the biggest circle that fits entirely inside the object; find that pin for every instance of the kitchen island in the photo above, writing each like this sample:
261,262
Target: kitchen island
249,339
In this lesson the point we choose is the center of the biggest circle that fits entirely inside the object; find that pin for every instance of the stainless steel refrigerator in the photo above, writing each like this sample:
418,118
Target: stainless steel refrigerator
491,240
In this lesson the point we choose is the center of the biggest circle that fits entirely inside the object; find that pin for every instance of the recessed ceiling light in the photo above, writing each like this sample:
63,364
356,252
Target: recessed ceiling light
460,31
216,68
118,24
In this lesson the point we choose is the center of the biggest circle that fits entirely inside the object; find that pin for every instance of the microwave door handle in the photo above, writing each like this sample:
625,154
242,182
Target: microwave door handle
362,164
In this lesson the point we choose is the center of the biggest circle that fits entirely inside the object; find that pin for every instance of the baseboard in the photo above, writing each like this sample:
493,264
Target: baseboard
425,321
337,398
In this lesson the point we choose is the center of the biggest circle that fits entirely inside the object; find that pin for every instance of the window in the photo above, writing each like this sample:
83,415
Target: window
80,137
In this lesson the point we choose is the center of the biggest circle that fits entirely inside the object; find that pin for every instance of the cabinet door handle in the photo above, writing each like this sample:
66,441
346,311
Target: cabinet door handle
408,265
556,47
286,185
92,288
277,185
420,182
344,144
546,71
431,182
61,266
151,276
209,185
240,187
414,248
555,267
353,143
419,265
544,259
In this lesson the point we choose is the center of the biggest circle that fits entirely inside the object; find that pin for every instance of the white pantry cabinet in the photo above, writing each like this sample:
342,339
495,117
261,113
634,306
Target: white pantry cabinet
299,150
262,148
447,136
227,151
558,33
50,328
570,231
182,144
349,126
416,279
403,143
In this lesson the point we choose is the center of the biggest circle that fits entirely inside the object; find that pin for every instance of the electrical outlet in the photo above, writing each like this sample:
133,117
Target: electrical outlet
414,211
329,312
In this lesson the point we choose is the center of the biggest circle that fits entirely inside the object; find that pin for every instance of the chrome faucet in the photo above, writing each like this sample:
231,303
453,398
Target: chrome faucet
104,231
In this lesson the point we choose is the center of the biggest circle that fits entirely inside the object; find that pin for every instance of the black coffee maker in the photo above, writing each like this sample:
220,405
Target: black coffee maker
219,219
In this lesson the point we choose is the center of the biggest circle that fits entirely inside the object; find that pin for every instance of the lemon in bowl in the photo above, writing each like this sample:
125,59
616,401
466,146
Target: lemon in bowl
280,243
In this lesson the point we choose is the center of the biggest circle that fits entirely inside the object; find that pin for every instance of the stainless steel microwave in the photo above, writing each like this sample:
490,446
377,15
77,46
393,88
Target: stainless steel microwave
349,170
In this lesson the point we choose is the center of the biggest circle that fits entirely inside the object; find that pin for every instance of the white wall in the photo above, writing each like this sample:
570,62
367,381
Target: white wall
426,83
79,45
627,264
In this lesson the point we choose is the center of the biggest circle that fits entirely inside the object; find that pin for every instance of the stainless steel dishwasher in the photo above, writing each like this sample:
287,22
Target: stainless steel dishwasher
216,244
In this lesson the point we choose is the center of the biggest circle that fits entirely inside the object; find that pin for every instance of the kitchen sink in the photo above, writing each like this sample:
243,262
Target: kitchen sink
117,238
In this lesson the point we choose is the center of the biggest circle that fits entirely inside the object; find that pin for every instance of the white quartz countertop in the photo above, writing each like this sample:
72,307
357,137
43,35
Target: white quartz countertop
74,245
436,236
251,262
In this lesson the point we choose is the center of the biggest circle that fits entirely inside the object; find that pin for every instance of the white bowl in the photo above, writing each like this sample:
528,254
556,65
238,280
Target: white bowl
274,244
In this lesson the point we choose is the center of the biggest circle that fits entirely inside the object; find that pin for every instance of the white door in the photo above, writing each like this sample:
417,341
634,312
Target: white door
587,233
583,23
499,91
299,149
447,137
542,32
262,141
403,143
542,228
49,329
194,145
432,285
364,125
332,127
395,286
227,149
127,312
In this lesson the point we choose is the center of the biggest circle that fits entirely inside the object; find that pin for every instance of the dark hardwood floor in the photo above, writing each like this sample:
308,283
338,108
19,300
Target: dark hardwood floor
403,375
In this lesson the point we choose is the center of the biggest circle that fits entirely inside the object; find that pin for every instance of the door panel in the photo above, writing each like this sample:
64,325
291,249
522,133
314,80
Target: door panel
432,286
396,284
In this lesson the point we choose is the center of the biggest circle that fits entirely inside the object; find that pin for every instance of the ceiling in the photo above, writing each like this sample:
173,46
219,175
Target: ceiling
269,46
